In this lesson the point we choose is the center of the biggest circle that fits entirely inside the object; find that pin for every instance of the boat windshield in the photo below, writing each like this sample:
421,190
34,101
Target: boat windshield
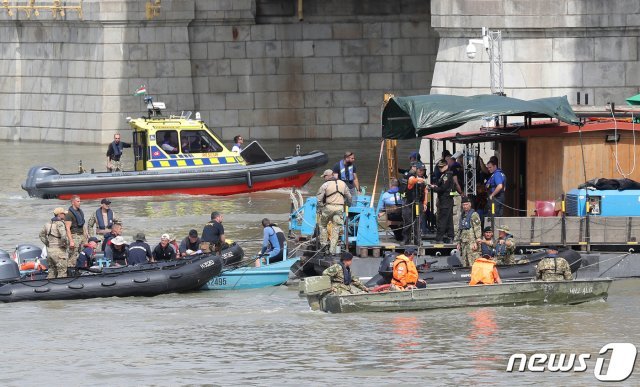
198,141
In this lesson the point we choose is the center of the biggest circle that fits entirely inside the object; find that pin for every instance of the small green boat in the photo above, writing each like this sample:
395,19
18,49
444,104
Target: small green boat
317,290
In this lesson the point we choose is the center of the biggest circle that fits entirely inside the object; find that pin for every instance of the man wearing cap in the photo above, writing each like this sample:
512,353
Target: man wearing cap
164,251
505,247
213,239
405,272
496,186
435,176
444,188
139,251
468,233
85,259
76,230
553,267
345,170
190,245
332,196
415,205
342,281
103,219
117,251
487,244
54,236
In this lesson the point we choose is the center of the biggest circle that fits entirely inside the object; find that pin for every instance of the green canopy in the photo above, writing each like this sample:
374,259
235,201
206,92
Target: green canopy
410,117
635,100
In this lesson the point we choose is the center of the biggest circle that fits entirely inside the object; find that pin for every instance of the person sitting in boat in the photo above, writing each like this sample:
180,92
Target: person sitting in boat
505,247
237,144
114,153
190,245
117,251
103,219
552,267
273,241
213,239
487,244
342,281
116,230
139,251
484,272
85,258
168,145
405,272
392,208
174,243
164,251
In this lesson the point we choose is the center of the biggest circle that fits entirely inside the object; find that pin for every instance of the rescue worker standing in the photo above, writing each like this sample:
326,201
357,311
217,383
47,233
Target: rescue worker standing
345,170
415,206
468,233
505,247
444,188
342,281
332,197
553,268
114,153
496,186
405,272
103,219
54,236
484,272
213,238
76,230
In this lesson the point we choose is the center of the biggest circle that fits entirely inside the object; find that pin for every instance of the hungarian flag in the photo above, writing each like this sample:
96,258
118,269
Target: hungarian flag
142,90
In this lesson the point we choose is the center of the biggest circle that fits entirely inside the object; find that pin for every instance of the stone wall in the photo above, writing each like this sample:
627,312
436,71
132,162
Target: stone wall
550,48
249,66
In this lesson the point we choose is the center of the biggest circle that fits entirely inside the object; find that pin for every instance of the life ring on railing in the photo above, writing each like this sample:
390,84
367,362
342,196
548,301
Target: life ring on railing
380,288
32,265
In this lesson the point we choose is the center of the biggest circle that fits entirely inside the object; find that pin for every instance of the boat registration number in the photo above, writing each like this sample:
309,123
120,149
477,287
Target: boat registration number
219,281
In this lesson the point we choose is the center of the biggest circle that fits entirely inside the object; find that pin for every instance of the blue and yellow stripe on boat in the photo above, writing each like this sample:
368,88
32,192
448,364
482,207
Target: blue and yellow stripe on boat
191,162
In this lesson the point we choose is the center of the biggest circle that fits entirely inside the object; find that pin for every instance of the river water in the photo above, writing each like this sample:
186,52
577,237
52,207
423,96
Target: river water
268,336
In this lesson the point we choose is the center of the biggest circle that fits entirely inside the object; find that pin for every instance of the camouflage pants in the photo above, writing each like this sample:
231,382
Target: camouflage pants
57,262
116,166
78,240
333,214
340,289
467,255
506,259
457,210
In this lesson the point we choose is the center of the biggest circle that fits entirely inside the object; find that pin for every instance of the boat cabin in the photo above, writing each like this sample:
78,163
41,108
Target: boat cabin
177,142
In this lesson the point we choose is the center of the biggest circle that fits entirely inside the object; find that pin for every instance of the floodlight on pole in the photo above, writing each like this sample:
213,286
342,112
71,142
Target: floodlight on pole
492,43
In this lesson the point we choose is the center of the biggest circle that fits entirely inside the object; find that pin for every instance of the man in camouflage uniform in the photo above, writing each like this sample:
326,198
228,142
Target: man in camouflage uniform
332,196
552,267
469,230
505,247
54,236
342,281
77,231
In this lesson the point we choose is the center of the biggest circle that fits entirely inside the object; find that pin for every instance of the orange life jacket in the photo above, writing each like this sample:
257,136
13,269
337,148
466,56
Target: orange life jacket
406,274
482,272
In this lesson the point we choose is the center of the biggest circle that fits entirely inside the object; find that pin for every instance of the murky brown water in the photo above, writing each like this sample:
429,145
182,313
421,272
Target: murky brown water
268,336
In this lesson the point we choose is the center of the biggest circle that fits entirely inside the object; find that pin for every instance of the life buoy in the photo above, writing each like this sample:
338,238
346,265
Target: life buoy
32,265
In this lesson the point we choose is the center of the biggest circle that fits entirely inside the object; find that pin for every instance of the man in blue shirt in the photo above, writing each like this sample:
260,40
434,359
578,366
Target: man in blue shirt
496,186
272,243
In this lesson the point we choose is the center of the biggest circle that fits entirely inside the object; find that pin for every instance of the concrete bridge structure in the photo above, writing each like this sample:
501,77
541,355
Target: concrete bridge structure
253,67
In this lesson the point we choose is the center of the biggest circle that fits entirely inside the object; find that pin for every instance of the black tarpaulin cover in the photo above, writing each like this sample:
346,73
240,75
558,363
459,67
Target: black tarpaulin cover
410,117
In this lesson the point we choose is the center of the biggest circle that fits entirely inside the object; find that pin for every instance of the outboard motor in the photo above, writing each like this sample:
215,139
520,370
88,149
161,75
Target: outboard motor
28,252
36,174
4,254
9,270
386,267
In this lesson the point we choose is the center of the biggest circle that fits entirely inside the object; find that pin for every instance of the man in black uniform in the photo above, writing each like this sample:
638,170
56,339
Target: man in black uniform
445,203
213,239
